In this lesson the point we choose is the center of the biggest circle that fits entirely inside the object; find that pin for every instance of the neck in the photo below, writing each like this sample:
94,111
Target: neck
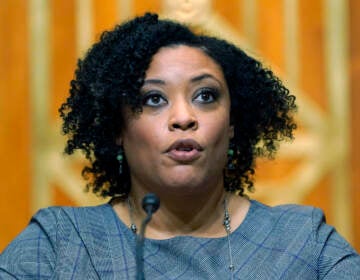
188,214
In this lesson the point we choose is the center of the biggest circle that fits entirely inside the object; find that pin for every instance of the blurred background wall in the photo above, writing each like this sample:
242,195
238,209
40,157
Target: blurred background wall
314,46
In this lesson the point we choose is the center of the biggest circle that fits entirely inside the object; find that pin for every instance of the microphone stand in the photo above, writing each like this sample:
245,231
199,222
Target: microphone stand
150,204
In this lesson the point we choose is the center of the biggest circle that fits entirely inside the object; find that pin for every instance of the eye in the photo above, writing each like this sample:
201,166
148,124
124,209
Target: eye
206,95
154,99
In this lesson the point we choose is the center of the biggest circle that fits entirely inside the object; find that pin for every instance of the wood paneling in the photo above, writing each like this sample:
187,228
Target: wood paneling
140,7
230,12
14,120
15,113
312,76
105,16
271,32
63,52
320,196
355,114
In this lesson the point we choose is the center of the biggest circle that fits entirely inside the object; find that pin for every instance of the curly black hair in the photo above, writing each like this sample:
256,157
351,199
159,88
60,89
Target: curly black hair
112,72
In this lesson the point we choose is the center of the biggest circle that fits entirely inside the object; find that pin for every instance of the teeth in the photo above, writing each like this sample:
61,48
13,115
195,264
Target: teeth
185,149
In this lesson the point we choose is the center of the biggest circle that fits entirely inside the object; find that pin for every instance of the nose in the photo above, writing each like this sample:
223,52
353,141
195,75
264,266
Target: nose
182,117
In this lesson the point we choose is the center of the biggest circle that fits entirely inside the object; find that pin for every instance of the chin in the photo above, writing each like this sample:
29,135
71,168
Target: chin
188,183
188,178
182,181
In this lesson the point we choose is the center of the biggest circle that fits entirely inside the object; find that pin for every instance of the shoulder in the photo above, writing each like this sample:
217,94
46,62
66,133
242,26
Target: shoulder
60,216
59,213
47,223
295,220
282,226
287,216
302,231
50,231
283,209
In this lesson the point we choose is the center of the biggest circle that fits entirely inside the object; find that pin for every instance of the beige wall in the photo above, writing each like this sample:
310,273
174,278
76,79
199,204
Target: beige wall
309,47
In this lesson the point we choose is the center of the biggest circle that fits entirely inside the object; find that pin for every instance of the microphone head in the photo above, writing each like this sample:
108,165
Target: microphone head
150,203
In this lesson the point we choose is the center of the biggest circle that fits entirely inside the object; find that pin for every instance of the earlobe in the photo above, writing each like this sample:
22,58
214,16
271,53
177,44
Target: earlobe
231,132
119,141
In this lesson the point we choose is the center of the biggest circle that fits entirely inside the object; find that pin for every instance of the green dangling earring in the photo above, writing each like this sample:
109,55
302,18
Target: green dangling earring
230,164
120,158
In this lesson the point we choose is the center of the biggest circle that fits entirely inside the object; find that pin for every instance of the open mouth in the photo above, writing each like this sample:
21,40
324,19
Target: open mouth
184,150
185,145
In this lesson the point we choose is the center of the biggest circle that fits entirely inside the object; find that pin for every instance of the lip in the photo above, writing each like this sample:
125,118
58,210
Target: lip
184,150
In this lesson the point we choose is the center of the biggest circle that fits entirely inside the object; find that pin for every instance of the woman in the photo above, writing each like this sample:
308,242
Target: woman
158,109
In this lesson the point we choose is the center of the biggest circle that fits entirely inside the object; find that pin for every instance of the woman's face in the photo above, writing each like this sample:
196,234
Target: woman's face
180,140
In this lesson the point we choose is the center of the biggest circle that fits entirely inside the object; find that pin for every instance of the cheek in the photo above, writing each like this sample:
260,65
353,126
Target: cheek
218,129
140,139
218,136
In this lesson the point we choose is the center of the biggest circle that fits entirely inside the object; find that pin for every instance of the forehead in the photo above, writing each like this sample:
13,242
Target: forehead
183,58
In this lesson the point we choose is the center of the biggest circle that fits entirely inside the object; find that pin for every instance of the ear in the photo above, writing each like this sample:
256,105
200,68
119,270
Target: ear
119,141
231,131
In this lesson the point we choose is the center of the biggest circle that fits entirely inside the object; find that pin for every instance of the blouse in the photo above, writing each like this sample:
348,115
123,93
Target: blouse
282,242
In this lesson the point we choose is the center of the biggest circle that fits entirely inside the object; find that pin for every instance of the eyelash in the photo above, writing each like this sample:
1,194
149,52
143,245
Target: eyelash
151,94
211,93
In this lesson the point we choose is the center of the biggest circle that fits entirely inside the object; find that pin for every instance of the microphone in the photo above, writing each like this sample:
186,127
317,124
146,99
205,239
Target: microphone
150,204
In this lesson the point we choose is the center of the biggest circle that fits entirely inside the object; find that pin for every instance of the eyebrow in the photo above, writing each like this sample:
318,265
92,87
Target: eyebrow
193,80
154,81
204,76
